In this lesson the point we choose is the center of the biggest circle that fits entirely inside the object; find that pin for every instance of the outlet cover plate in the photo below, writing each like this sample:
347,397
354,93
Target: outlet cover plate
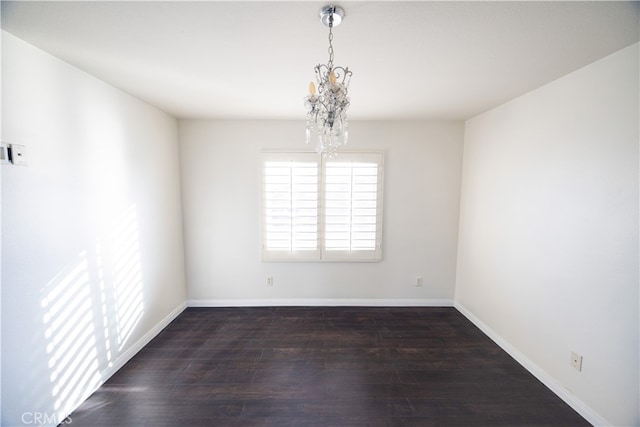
576,361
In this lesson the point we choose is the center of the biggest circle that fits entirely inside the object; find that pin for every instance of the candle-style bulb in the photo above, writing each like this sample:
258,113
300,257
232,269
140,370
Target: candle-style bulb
312,89
332,78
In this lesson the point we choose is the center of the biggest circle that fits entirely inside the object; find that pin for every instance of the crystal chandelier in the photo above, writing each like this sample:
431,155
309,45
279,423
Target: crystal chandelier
327,107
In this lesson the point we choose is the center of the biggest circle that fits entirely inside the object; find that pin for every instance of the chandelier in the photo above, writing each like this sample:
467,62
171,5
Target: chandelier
327,106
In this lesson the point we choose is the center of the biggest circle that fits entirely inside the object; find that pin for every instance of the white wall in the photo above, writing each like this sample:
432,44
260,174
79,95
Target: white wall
92,249
548,249
221,184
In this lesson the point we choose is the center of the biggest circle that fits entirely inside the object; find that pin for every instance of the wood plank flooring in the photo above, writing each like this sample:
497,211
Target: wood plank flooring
323,366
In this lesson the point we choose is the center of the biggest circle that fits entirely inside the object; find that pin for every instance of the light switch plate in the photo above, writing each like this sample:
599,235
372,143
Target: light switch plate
18,155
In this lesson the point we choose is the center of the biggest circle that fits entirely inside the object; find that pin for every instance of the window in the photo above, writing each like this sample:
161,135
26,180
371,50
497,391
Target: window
323,210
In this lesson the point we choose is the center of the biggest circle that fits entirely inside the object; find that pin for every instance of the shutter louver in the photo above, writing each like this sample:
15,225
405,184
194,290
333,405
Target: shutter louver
352,207
290,206
350,203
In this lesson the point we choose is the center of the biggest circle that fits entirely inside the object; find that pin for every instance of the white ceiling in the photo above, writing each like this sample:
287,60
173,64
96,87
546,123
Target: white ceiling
420,59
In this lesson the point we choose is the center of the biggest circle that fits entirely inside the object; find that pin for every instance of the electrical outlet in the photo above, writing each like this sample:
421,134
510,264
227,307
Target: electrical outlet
270,281
576,361
419,281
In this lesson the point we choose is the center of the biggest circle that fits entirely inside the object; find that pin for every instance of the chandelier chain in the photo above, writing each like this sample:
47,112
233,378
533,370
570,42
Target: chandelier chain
330,42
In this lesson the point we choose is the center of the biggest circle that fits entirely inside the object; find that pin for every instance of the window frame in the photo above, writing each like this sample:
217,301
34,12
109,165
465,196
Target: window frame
321,253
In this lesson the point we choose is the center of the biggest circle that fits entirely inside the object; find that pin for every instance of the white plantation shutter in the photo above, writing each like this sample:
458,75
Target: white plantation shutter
290,206
315,209
352,207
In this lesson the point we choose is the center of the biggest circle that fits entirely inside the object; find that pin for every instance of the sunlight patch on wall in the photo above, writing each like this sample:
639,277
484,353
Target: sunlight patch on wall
90,310
70,334
105,302
127,275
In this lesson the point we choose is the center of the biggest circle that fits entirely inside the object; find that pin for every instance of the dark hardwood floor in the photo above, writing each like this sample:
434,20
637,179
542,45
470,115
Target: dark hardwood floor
323,366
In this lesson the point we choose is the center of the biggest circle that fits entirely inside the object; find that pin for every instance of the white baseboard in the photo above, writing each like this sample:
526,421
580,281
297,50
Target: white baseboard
144,340
329,302
580,407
